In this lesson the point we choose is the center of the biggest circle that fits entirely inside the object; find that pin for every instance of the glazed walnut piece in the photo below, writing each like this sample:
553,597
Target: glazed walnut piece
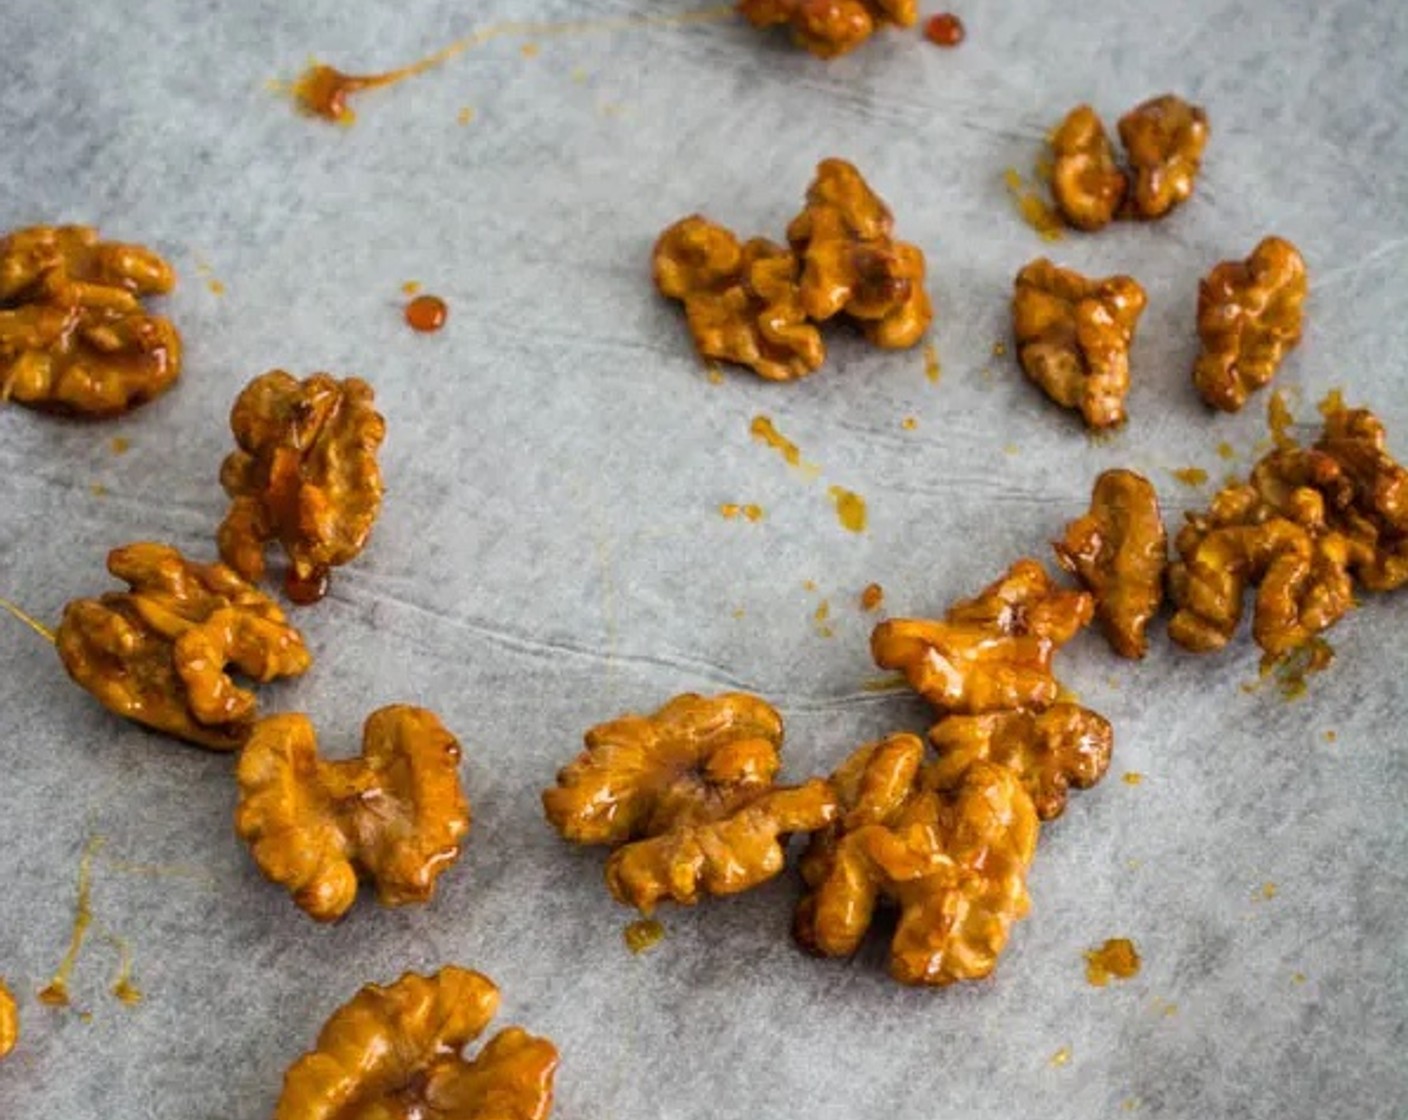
1087,184
9,1021
1164,139
1049,752
687,797
396,1052
851,263
1119,552
828,28
952,857
305,475
74,337
990,653
396,814
1249,315
158,653
741,300
1073,337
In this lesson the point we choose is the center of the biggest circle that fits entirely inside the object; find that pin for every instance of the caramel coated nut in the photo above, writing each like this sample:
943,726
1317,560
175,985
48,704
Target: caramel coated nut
828,28
1087,184
953,861
9,1021
395,815
305,475
990,653
74,337
158,653
1164,139
1249,315
1119,552
1049,752
741,301
687,797
395,1052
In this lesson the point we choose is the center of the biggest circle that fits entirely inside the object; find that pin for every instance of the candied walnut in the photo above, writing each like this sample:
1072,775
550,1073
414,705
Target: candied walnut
9,1021
1119,552
158,653
953,860
1088,185
1249,315
395,815
74,337
989,653
396,1052
1164,138
687,796
741,301
852,264
828,28
305,475
1074,335
1049,751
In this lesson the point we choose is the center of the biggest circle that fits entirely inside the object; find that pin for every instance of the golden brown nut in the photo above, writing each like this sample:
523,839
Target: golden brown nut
952,860
1164,139
395,1053
741,301
157,653
1073,337
1119,552
73,336
9,1021
1249,315
305,475
852,264
1088,185
395,815
990,653
1049,751
687,797
828,28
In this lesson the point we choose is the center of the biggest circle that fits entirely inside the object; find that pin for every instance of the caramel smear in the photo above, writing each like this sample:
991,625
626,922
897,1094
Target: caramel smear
56,993
1116,958
1191,476
1280,421
872,598
33,623
1034,210
120,445
643,935
731,511
932,369
765,431
1132,777
850,508
123,989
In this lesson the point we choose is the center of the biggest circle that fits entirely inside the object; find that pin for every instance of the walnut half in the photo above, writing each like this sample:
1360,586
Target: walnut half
828,28
9,1021
1088,185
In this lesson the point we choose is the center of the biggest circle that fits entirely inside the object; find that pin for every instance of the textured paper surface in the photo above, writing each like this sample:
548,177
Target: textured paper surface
551,554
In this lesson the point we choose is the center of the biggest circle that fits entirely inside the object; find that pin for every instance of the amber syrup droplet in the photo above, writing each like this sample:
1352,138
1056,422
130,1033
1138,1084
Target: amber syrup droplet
305,590
427,313
945,30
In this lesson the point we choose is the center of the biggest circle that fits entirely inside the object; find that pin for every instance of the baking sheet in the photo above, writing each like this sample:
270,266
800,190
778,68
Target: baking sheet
551,553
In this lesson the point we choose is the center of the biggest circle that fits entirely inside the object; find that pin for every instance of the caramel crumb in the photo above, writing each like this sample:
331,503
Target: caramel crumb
98,490
823,610
716,375
1060,1058
945,30
909,423
1129,1104
1009,449
872,598
999,349
1297,977
1268,891
1132,777
1117,958
426,314
1330,736
1034,210
410,287
643,935
739,612
215,287
123,989
529,50
809,585
120,445
1226,451
850,508
1133,864
765,431
1190,476
932,369
465,115
732,510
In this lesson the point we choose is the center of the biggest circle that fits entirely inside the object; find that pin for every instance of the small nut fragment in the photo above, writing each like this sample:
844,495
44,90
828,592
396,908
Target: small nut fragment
1164,138
1119,552
1249,315
157,653
741,301
1049,751
9,1021
396,1052
686,796
990,653
1088,185
396,815
305,475
1073,337
73,335
953,860
828,28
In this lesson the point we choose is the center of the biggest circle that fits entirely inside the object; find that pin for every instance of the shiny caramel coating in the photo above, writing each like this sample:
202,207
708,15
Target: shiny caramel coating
742,301
1164,139
687,797
305,475
158,653
1119,552
953,862
395,815
1086,182
1065,746
1249,315
990,653
396,1053
74,337
1073,337
9,1021
828,28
